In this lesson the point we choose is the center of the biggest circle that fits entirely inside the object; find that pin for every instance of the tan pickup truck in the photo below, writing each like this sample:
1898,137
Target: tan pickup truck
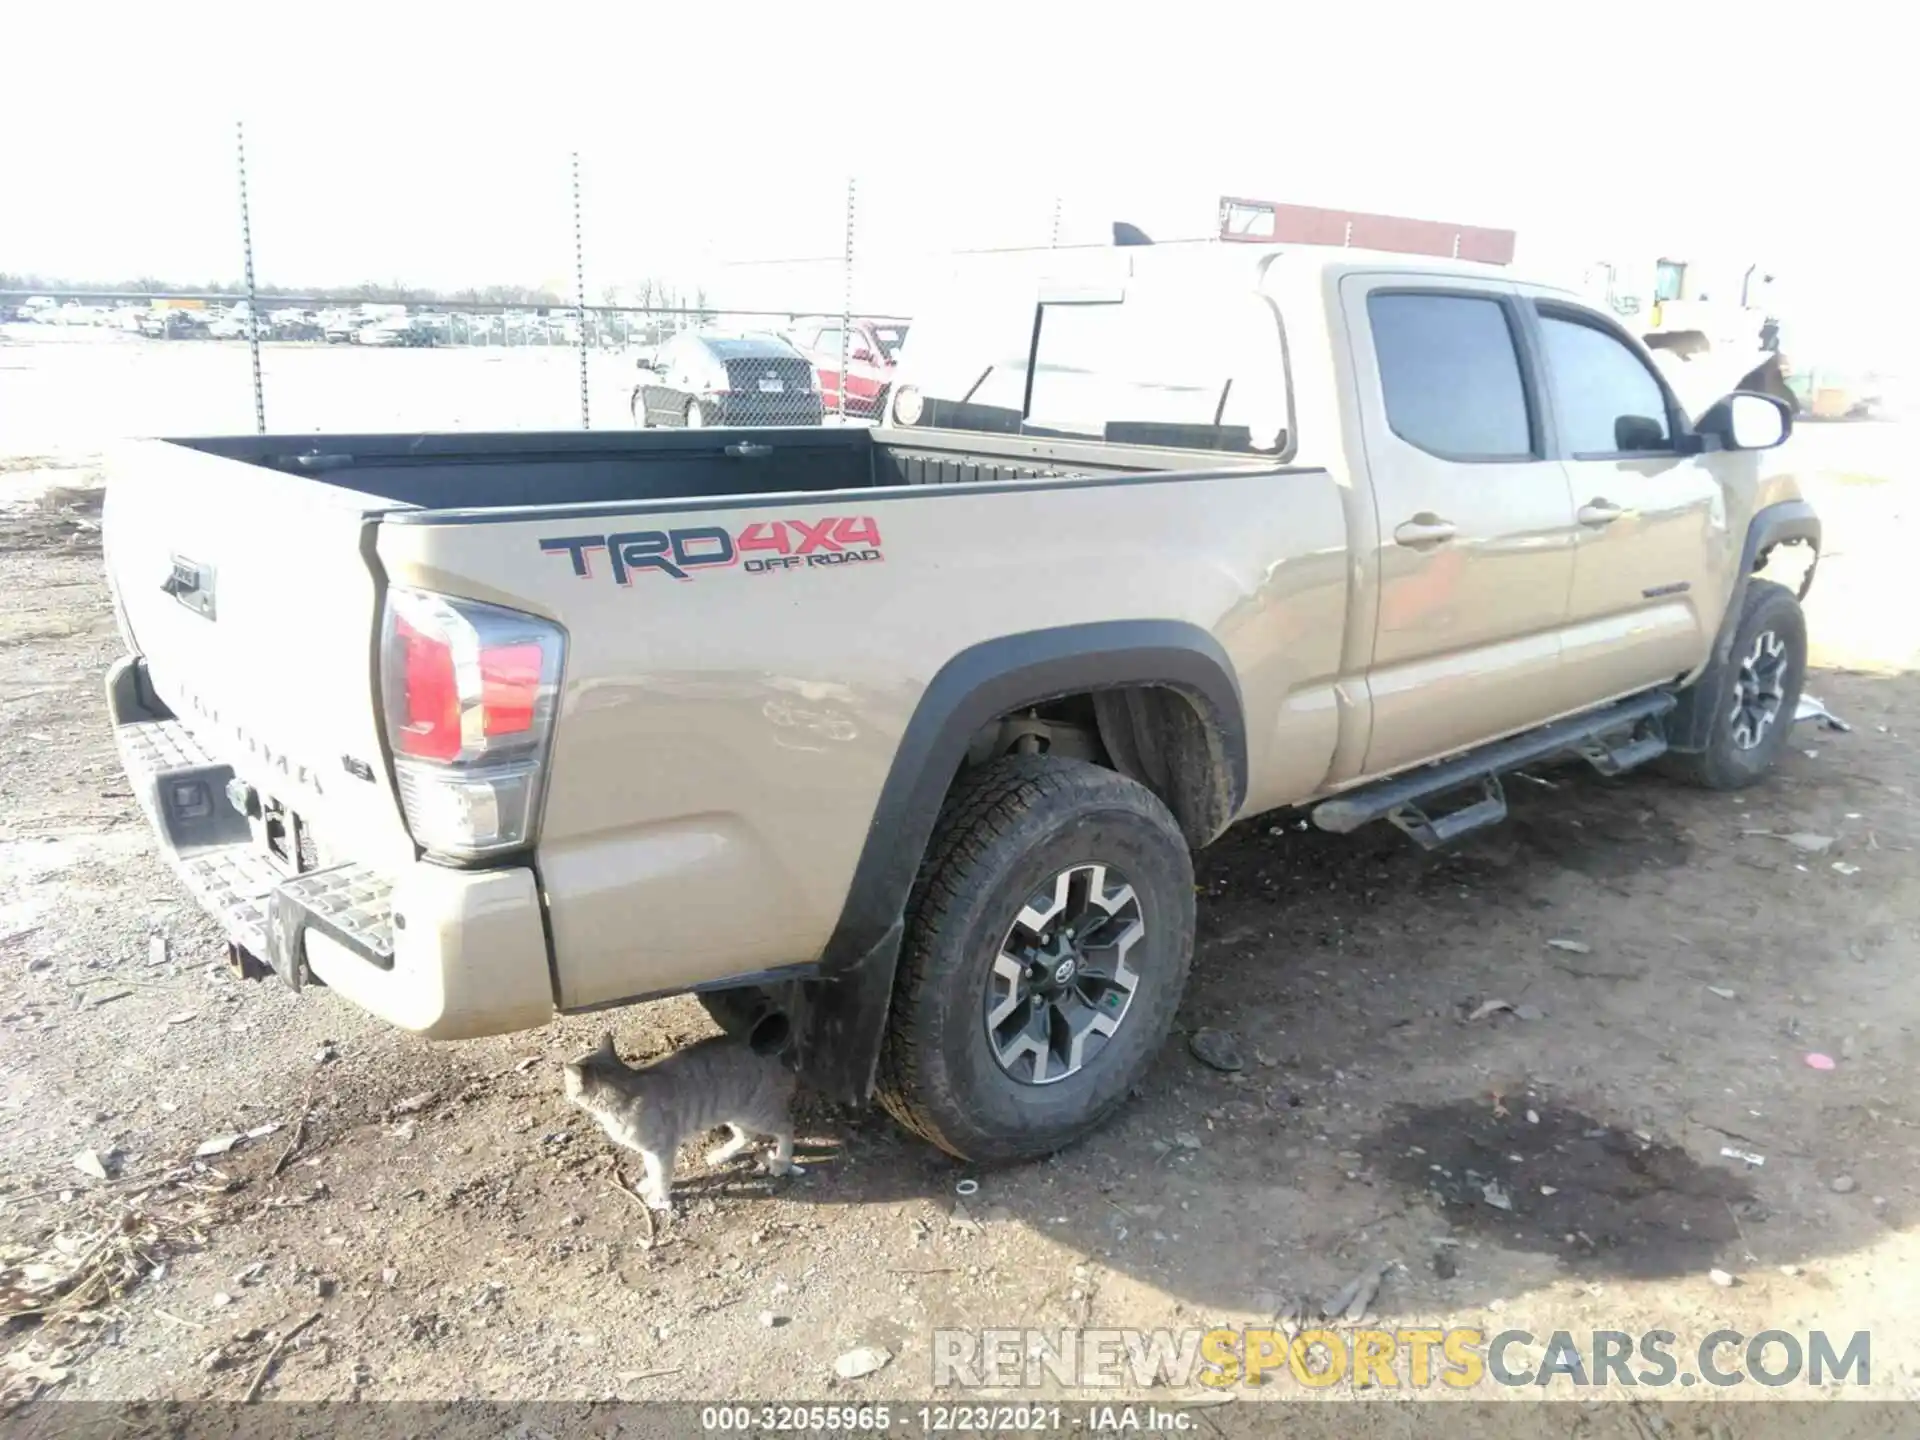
893,743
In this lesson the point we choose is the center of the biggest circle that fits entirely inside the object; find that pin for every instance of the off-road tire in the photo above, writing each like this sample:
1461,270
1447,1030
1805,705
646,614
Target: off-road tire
1723,765
1004,830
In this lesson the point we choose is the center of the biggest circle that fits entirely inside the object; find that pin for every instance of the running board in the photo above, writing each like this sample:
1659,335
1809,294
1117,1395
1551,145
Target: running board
1612,740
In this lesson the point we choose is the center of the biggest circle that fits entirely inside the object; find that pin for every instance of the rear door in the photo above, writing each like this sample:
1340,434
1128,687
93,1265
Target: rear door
1475,519
1652,564
251,596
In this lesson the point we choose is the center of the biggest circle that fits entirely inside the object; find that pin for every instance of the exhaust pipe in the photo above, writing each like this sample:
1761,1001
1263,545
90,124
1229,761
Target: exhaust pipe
770,1033
752,1015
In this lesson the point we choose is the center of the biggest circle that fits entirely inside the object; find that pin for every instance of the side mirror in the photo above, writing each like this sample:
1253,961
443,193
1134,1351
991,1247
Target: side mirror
1746,420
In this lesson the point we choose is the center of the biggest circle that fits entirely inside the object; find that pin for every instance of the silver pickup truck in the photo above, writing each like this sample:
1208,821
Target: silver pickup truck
893,743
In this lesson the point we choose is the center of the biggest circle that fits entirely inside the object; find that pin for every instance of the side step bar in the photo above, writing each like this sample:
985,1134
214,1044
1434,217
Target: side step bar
1612,740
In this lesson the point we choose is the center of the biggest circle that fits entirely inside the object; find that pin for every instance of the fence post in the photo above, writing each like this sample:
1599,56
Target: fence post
580,292
253,299
846,307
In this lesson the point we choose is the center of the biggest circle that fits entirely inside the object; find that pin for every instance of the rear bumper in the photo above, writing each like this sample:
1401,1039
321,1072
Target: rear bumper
750,409
447,953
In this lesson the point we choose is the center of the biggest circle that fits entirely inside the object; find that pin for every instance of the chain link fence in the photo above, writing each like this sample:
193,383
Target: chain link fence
664,302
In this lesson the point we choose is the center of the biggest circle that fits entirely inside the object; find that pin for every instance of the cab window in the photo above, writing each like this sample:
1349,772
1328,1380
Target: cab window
1607,400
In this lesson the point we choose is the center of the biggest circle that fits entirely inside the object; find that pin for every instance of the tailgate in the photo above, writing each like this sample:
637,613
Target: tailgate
253,599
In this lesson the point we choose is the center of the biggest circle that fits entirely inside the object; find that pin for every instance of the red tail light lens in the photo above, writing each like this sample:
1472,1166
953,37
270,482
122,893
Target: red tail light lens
430,695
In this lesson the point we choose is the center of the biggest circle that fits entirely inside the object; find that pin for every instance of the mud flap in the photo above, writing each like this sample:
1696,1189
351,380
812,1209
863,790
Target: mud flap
838,1024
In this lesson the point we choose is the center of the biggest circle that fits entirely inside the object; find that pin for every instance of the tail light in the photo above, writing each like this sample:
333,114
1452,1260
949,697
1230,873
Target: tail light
469,692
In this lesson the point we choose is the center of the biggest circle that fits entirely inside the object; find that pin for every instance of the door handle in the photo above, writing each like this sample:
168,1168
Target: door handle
1599,512
1424,530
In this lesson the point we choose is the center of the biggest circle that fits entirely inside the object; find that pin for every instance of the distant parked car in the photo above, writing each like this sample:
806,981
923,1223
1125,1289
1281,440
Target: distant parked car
872,348
400,330
701,379
174,325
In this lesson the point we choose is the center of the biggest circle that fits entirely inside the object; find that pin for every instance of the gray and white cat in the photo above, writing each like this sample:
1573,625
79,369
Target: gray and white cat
651,1110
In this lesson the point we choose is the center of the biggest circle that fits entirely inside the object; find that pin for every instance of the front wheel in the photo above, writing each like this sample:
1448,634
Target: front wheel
1048,939
696,417
1753,696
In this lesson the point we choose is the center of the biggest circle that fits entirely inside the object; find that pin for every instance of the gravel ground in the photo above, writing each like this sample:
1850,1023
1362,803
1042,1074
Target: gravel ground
457,1230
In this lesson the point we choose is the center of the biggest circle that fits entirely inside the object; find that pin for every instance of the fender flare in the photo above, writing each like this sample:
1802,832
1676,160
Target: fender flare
1785,522
840,1012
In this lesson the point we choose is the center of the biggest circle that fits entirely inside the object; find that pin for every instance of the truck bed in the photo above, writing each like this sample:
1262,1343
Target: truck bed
496,471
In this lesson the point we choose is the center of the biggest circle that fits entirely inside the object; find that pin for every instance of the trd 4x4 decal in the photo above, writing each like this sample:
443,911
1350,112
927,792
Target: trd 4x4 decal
762,548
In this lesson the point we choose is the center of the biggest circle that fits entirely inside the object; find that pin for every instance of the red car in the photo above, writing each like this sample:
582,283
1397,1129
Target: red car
872,349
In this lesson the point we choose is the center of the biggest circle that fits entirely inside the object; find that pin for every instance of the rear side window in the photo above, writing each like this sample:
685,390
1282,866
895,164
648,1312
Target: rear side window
1202,369
1606,399
1451,375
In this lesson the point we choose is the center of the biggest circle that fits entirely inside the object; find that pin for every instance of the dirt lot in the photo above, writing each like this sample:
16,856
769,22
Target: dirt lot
453,1226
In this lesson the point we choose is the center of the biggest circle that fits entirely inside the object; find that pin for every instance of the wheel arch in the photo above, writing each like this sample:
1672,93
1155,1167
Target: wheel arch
1169,714
1787,522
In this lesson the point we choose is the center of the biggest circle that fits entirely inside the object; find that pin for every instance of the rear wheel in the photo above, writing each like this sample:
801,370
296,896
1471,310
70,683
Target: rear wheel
1754,695
638,405
696,418
1048,940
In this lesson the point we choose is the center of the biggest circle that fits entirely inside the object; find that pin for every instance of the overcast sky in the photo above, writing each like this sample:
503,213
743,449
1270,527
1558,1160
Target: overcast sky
389,144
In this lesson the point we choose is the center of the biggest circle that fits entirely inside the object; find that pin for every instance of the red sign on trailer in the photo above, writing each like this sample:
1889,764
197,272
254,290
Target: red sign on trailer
1268,222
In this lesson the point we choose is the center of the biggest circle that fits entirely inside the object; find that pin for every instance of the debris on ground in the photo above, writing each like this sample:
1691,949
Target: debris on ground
1572,947
1720,1278
88,1162
1810,708
1486,1008
1843,1185
1186,1140
863,1361
1725,992
1807,841
1216,1048
1528,1012
1845,869
1750,1157
412,1103
1351,1300
1817,1061
27,1372
218,1145
92,1255
1495,1196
